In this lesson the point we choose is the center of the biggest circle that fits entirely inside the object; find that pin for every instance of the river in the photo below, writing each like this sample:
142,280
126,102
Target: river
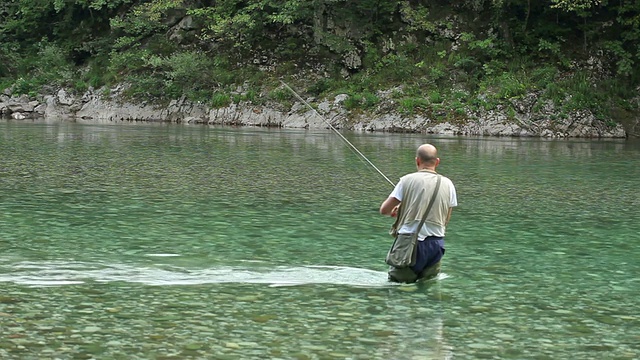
165,241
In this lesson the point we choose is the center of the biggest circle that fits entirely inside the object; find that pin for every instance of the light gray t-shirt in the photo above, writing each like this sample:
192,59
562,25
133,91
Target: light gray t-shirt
430,228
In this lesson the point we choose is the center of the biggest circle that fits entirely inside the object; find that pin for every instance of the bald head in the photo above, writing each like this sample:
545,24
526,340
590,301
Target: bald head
427,154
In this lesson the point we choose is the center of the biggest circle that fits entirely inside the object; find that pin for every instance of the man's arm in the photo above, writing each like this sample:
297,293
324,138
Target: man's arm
453,203
388,206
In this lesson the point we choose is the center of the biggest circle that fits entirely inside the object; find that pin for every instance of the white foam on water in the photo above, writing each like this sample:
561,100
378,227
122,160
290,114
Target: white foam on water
51,282
162,255
442,276
58,273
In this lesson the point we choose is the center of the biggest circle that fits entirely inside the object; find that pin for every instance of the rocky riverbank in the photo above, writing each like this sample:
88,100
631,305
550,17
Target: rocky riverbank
533,117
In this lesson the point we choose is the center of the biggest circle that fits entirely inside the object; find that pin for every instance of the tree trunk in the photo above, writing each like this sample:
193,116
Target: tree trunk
526,19
584,33
506,33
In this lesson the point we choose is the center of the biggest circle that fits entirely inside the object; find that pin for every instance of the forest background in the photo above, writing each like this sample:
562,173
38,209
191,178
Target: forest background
440,59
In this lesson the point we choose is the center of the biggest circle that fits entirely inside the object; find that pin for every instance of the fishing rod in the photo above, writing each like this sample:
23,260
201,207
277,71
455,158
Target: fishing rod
337,132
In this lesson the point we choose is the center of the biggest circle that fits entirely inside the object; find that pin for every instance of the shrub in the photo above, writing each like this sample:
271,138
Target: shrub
413,105
220,100
281,95
435,97
188,70
364,100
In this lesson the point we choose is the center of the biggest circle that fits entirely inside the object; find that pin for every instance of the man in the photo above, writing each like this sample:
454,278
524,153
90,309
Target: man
408,202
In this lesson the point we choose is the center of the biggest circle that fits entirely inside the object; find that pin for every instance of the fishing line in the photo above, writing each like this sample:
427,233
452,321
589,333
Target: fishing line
337,132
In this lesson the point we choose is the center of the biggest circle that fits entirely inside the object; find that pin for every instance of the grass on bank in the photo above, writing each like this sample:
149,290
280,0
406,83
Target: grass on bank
432,82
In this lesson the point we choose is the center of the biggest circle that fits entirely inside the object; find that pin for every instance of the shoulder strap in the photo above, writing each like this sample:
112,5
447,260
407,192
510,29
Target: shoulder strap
433,198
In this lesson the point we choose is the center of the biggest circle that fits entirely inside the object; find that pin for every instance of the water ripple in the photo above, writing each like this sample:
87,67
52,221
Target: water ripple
57,273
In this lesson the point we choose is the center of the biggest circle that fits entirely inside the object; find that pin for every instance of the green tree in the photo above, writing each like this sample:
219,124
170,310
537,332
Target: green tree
576,5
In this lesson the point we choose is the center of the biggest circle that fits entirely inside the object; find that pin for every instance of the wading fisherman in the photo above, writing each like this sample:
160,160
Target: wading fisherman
408,202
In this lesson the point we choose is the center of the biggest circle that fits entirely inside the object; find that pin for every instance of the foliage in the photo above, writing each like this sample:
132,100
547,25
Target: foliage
575,5
220,100
236,24
413,105
506,86
417,17
364,100
9,58
493,50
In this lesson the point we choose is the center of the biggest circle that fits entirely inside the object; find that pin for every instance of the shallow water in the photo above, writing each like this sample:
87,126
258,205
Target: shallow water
159,241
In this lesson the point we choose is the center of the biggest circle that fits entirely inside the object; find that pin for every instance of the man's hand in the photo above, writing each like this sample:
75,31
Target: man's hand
394,211
390,206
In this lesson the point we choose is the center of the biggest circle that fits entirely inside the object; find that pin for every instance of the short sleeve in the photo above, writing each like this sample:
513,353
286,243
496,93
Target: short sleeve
397,191
453,196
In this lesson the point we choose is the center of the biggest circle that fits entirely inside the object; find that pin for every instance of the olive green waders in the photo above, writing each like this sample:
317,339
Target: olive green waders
406,275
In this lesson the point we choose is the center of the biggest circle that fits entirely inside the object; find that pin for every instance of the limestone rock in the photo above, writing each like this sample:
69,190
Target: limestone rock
64,98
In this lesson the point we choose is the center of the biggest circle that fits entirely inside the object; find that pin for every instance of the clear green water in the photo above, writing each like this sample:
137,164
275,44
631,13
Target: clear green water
190,242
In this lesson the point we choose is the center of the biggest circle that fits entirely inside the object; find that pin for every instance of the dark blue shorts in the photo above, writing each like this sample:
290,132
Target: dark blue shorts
430,251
